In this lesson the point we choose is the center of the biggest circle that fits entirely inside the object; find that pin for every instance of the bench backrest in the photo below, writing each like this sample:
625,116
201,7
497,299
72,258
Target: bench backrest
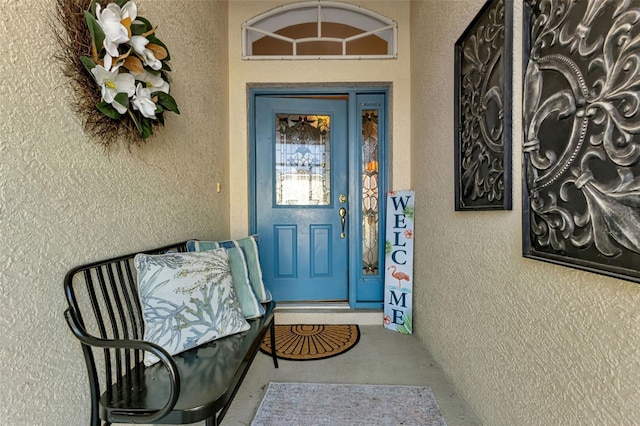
103,298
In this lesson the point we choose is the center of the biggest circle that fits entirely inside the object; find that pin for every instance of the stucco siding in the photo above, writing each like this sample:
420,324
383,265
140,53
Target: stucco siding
525,342
63,201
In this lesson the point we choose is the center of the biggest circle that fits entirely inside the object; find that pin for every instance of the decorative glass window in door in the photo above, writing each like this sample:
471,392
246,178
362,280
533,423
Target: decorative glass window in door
303,160
370,192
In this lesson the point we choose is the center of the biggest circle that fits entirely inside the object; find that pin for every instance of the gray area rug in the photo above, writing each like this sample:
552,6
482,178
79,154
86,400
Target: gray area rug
327,404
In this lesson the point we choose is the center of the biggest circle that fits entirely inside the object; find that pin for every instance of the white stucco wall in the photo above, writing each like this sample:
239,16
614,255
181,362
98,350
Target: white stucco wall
63,201
525,342
242,73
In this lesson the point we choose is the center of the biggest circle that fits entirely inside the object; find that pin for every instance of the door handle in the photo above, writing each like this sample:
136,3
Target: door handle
343,219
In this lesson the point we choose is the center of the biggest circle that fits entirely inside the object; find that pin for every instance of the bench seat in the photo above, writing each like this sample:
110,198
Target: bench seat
188,387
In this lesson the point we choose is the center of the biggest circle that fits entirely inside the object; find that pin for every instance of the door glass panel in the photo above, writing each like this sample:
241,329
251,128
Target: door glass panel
370,192
302,160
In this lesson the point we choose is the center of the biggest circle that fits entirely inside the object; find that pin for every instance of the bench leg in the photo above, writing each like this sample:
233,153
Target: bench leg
211,421
273,342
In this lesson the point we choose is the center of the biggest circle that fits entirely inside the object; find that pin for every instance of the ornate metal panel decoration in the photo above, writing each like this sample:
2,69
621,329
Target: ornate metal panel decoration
581,168
483,110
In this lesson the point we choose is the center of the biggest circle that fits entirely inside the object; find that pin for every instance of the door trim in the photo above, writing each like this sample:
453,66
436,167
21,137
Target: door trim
355,276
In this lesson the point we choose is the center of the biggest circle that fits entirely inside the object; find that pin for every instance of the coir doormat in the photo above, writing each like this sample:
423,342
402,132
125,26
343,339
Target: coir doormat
304,342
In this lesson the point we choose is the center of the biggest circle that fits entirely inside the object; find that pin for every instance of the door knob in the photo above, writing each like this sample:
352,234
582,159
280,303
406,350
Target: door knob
343,219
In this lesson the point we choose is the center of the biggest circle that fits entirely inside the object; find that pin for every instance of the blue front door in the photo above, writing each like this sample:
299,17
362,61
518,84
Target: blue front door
301,159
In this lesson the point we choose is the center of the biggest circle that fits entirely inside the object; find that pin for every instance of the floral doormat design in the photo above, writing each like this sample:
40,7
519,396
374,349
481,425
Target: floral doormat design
305,342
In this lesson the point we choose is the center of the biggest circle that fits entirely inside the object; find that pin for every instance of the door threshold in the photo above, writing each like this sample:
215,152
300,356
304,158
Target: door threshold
325,313
312,305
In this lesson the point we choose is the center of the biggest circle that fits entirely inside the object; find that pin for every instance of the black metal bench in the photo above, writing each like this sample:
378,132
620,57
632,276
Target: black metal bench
105,315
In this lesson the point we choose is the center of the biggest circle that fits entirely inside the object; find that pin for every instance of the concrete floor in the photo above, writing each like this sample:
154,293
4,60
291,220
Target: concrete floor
380,357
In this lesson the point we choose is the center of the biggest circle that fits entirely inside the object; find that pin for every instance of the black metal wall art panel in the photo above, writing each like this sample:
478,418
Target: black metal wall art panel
483,55
581,124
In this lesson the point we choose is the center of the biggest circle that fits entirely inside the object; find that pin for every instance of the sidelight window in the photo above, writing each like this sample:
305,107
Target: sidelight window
370,196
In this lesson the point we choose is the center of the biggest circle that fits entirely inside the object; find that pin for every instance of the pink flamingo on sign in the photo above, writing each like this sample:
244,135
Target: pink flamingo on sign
398,275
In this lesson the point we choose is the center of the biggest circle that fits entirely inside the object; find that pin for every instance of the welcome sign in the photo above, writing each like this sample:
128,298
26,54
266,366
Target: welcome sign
398,279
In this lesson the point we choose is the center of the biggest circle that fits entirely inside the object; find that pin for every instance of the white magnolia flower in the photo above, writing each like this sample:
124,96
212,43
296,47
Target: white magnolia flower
142,102
155,83
129,10
139,44
108,62
111,83
111,20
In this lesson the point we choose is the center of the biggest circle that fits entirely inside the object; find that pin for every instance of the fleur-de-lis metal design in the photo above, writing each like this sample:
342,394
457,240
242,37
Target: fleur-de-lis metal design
582,133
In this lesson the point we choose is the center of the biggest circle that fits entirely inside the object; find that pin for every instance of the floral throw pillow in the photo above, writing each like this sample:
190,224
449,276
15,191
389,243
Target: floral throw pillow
187,299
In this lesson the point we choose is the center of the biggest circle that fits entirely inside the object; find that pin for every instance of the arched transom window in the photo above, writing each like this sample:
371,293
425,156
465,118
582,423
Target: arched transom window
319,30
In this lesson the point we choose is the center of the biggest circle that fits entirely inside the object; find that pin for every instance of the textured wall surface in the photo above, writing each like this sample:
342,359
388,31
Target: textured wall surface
63,201
525,342
242,73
